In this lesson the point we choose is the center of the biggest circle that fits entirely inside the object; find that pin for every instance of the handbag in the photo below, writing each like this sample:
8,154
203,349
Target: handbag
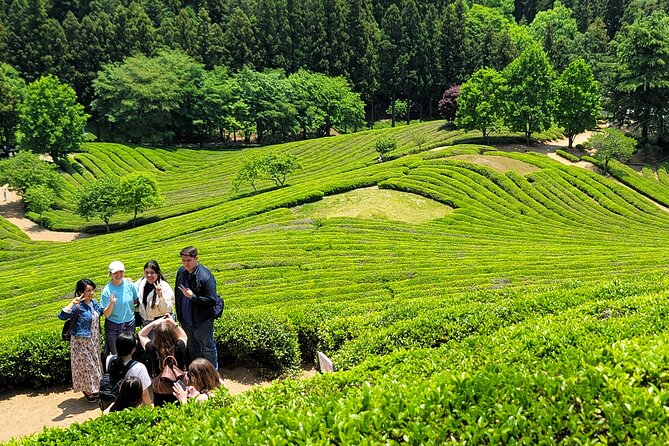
169,375
66,334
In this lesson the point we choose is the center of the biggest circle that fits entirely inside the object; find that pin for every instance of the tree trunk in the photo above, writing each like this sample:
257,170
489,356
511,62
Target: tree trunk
392,112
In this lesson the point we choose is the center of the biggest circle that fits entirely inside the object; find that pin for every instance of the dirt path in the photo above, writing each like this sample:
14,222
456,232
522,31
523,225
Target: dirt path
27,413
12,210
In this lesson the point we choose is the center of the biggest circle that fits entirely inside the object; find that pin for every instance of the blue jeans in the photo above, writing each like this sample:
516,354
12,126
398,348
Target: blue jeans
112,330
201,342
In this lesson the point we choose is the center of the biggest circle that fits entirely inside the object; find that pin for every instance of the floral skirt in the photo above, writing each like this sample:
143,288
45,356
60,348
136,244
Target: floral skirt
86,366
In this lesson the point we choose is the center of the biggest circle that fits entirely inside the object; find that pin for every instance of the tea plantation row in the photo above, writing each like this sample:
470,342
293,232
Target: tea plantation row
352,287
589,371
193,179
503,321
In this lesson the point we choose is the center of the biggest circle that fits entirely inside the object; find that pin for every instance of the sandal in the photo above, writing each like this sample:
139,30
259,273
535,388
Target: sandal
91,397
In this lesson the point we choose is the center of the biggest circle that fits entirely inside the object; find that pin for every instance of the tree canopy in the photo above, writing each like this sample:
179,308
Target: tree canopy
481,103
50,119
530,93
577,99
611,143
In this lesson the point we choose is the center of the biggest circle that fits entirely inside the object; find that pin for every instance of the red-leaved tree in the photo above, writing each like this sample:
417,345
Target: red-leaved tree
448,104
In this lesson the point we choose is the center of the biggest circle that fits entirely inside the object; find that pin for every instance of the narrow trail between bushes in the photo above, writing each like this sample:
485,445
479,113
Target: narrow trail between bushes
27,412
12,210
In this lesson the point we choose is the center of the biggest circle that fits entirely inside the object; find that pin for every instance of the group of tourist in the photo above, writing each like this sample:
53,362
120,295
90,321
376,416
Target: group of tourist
152,303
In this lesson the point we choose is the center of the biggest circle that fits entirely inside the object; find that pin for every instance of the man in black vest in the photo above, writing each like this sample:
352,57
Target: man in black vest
195,296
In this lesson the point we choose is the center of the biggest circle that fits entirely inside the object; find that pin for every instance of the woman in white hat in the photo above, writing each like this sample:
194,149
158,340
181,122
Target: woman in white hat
118,300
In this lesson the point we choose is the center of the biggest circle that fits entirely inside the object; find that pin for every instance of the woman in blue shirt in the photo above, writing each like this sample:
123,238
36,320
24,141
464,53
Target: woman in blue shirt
118,299
85,340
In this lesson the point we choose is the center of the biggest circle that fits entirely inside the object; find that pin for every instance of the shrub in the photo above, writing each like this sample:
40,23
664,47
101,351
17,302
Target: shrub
568,156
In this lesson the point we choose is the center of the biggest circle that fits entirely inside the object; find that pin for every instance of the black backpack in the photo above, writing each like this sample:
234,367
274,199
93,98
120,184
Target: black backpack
111,381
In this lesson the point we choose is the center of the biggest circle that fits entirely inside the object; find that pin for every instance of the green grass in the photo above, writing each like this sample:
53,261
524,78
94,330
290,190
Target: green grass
374,203
530,308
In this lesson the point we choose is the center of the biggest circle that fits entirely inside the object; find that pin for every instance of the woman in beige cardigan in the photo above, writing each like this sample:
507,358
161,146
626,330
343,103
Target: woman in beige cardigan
156,297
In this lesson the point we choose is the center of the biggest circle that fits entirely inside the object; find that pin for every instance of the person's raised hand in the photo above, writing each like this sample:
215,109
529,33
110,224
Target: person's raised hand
186,292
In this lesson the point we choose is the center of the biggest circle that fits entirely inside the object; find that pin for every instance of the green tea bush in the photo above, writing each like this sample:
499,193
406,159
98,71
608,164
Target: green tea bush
34,360
568,156
266,340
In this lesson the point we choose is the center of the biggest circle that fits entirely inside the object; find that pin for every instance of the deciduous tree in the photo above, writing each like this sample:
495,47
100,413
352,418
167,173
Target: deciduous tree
277,167
27,170
384,146
99,199
50,119
39,199
448,104
12,88
530,94
611,143
481,103
577,99
139,192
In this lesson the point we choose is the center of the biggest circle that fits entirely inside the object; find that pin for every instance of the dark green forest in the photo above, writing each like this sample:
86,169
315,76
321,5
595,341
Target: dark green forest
387,50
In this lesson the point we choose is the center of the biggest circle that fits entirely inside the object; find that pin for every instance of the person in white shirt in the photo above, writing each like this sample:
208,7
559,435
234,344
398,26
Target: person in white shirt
156,297
125,347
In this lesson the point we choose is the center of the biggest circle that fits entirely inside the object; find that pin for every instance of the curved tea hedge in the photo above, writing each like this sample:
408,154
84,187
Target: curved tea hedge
534,312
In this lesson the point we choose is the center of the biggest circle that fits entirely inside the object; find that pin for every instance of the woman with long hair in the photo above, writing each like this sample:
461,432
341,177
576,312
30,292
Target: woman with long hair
156,297
204,380
163,340
85,339
129,395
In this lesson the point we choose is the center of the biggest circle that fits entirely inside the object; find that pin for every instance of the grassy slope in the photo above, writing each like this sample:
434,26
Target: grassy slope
562,249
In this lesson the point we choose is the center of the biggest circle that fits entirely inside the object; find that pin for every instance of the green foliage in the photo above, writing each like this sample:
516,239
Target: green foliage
248,173
324,102
137,193
611,143
50,119
638,85
568,156
556,29
384,146
26,170
481,102
577,99
149,99
417,316
100,199
401,109
530,95
278,167
275,167
12,88
267,341
34,360
39,198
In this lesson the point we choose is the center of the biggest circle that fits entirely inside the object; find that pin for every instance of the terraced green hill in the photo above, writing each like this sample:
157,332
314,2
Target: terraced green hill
193,179
532,310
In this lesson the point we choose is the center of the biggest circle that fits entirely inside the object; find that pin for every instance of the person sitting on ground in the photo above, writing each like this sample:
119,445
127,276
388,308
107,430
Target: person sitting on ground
168,340
129,395
125,347
204,379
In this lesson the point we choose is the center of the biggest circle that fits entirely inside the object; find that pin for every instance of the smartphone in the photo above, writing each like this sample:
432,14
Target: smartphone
181,384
